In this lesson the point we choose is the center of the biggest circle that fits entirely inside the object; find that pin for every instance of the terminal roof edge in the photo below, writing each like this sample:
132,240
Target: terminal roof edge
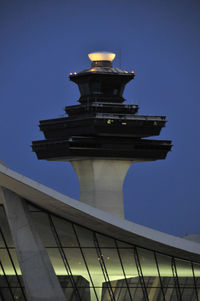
95,219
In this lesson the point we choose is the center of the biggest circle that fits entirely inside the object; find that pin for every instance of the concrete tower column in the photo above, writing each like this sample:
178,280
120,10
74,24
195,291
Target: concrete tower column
101,183
40,280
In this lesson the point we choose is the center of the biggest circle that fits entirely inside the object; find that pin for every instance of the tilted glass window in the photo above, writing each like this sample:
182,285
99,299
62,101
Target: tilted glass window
96,267
11,281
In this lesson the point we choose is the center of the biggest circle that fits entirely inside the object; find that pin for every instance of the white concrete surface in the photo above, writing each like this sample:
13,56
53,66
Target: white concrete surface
96,219
101,183
40,280
193,237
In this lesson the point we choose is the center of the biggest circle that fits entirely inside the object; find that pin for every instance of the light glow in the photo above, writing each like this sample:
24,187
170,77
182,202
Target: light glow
101,56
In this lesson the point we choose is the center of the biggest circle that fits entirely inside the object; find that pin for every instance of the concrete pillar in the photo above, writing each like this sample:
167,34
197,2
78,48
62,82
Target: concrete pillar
101,183
40,281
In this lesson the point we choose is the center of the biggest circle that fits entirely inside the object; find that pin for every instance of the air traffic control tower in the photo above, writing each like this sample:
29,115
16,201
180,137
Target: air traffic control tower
102,136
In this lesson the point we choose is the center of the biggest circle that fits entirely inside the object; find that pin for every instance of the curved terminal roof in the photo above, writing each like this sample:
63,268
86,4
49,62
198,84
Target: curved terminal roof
96,219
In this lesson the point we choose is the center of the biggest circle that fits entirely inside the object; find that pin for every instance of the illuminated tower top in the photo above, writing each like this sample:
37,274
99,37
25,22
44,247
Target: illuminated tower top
101,82
98,58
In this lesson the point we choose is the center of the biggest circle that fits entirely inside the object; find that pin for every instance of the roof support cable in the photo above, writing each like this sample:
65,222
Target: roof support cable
176,280
160,279
79,244
140,274
103,267
195,282
13,265
63,256
120,259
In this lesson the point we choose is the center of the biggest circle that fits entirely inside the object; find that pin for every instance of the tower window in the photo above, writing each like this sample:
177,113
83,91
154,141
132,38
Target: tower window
96,88
115,91
84,89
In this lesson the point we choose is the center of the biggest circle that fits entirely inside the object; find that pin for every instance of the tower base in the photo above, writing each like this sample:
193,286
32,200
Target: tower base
101,183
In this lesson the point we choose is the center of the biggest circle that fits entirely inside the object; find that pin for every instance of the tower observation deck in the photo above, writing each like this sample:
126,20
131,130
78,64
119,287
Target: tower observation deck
101,127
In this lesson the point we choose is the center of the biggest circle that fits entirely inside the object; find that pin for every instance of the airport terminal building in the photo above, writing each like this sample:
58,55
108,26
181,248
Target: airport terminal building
53,247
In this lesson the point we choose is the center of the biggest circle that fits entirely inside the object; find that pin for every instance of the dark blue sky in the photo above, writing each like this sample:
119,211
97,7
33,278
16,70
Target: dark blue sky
42,41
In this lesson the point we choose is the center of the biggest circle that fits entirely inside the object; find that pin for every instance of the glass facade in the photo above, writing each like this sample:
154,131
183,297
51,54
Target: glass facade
93,266
11,282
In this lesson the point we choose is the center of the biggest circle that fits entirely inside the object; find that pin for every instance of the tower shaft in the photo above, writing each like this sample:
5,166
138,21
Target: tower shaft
101,183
